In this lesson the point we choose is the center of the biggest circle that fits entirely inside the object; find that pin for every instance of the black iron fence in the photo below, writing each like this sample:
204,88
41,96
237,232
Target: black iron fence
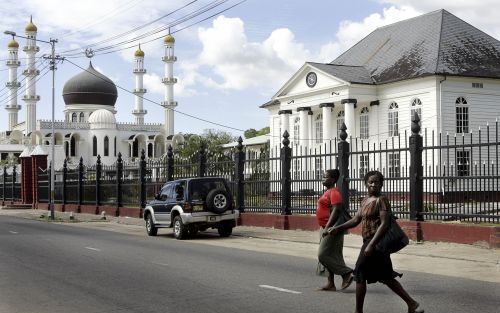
429,176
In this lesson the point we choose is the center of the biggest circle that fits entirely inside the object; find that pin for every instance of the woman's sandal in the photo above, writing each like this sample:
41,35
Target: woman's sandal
347,282
416,309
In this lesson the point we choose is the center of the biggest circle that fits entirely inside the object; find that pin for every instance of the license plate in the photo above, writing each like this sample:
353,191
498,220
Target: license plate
197,208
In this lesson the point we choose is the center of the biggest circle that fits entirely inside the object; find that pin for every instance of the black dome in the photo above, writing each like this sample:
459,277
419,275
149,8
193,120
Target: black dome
90,87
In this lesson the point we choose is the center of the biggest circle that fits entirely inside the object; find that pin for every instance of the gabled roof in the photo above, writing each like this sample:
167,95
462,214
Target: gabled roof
433,43
349,73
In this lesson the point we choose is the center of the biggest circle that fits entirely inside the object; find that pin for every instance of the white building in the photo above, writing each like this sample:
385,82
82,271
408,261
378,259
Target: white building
435,64
90,127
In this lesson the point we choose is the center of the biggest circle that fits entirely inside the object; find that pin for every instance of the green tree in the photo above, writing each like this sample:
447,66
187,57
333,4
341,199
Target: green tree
213,140
250,133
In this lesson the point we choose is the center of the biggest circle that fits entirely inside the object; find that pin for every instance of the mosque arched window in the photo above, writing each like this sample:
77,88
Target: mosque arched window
74,118
106,146
114,148
94,146
72,149
82,117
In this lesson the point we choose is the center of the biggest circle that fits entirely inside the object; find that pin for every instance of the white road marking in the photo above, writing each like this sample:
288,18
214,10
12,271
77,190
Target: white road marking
13,232
162,264
280,289
94,249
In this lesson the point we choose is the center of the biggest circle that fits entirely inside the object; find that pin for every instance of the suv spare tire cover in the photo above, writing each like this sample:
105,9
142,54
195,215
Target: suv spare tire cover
218,201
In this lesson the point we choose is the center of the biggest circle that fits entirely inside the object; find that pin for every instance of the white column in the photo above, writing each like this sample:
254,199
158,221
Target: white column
12,84
327,120
285,121
374,120
169,104
30,96
139,90
350,122
304,125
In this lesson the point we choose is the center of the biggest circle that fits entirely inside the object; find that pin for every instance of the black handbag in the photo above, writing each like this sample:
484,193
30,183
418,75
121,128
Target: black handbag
394,238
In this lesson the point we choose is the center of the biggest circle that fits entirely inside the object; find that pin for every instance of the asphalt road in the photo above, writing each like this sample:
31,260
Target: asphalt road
47,267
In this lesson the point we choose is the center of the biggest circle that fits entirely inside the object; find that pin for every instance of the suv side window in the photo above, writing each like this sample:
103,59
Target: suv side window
179,188
166,192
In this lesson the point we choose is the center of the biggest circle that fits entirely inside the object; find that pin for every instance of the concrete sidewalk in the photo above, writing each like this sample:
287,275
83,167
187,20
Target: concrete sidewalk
448,259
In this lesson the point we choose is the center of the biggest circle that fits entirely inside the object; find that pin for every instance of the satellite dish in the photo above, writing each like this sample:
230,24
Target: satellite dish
177,141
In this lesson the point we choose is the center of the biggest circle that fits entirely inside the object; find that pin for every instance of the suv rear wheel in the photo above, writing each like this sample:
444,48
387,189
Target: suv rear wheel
181,231
218,201
151,229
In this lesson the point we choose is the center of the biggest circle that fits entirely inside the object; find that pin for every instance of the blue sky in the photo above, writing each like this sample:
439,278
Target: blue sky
227,65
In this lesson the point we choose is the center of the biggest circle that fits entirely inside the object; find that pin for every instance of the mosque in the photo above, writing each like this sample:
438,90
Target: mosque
90,127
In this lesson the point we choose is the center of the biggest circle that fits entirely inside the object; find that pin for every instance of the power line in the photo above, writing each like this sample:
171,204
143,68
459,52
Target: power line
132,30
18,76
178,30
20,89
177,22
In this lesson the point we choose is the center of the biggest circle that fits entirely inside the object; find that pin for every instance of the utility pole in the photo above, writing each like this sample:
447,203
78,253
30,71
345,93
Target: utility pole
53,57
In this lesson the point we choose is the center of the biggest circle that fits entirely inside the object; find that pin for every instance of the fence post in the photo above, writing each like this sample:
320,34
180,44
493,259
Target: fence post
64,179
3,185
119,171
170,163
98,182
416,171
13,182
142,174
286,176
202,160
343,164
240,178
80,183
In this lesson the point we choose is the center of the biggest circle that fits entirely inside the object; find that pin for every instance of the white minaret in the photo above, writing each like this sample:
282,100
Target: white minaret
30,96
169,104
139,90
12,84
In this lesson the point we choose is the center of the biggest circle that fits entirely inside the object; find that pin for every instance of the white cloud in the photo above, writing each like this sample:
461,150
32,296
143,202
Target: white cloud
152,82
350,32
242,64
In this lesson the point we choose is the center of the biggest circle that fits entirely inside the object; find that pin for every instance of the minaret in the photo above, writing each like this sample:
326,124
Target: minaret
169,104
13,85
30,96
139,90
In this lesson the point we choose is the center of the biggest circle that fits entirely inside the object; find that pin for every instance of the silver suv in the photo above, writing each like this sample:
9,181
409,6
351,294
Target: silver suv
192,205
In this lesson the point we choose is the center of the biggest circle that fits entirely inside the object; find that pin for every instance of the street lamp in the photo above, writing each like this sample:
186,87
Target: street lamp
52,58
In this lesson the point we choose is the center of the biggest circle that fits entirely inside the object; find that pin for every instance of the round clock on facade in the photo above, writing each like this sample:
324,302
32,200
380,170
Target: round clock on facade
311,79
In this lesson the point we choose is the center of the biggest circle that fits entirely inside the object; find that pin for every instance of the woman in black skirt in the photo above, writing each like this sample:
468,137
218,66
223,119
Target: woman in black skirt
372,265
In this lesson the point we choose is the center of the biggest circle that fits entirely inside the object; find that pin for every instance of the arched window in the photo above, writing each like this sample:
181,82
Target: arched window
135,148
340,121
106,146
364,132
94,146
416,107
72,149
66,149
318,128
82,117
114,148
74,118
150,150
393,118
296,130
462,115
